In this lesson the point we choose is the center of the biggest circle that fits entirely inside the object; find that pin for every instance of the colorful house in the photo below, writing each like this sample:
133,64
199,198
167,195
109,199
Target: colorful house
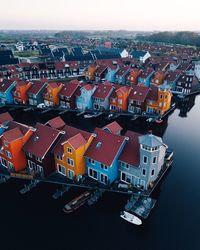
67,95
132,78
69,152
39,149
51,95
171,79
101,165
137,99
141,160
121,75
145,76
90,73
159,99
101,95
119,98
36,91
84,97
100,73
12,142
110,75
20,92
6,87
158,77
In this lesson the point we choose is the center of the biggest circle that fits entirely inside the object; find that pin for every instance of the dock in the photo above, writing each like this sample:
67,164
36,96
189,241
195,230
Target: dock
60,192
29,187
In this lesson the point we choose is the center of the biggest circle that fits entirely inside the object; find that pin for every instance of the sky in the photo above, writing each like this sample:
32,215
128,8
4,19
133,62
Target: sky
146,15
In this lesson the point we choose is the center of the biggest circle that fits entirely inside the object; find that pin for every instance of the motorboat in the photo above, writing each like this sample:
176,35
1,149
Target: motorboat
131,218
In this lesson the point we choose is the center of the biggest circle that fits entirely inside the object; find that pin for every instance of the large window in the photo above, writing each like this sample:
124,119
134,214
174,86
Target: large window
154,159
103,166
152,172
61,169
143,171
145,159
125,177
31,164
8,154
91,161
59,157
92,173
70,174
70,161
104,178
69,150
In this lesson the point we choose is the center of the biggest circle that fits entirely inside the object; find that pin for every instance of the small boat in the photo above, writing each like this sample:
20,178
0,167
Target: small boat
149,119
77,202
131,218
159,121
88,116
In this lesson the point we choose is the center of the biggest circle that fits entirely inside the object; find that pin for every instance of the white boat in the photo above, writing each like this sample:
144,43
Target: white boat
131,218
88,116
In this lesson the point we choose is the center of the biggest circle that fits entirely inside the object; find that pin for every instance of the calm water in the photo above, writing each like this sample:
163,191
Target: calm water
36,221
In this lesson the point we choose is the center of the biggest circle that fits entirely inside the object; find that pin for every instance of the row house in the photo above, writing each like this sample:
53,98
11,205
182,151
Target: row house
100,97
171,79
132,78
6,88
70,150
111,72
145,77
159,99
51,94
141,160
121,75
90,72
36,91
119,98
137,99
67,95
84,97
101,165
100,73
187,83
20,91
12,141
38,149
158,77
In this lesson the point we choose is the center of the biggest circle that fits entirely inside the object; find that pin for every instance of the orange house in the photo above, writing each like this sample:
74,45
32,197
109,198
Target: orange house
20,92
158,78
51,96
132,78
70,150
159,100
90,73
12,141
119,98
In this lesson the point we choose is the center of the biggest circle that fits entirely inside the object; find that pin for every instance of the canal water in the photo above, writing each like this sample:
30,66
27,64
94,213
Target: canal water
36,221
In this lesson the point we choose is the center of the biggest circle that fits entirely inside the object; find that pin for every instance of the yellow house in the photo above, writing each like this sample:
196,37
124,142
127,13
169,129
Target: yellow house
70,150
159,99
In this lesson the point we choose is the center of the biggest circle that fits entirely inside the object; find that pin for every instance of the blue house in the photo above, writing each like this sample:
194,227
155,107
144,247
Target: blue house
84,97
145,77
6,88
101,165
110,76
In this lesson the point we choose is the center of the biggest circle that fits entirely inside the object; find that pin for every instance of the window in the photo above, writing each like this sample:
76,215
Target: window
8,154
120,101
10,165
61,169
103,166
125,177
127,166
160,104
152,172
104,179
39,159
91,161
161,96
59,157
31,164
92,173
143,171
70,161
69,150
122,164
6,143
145,159
154,159
30,155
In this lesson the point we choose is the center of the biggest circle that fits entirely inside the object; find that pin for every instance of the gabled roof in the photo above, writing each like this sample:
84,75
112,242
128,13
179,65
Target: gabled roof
70,88
131,152
41,140
56,123
5,117
113,128
13,134
153,93
150,140
5,85
103,143
103,91
77,141
139,93
146,73
36,87
138,54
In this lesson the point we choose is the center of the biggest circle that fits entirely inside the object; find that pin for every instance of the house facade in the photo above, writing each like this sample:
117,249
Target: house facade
141,160
84,97
145,77
36,91
20,92
6,88
132,78
187,83
51,94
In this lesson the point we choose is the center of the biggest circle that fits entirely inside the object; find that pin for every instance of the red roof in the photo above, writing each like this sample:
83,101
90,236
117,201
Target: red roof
54,84
36,87
146,72
103,91
41,140
139,93
131,152
13,134
113,127
6,84
56,123
71,136
153,93
70,88
5,117
105,147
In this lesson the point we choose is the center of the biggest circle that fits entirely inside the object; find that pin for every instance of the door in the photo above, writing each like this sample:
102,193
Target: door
4,162
104,179
70,174
142,184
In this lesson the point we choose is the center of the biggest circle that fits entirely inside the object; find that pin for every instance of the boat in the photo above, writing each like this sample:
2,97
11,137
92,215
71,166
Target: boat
149,119
159,121
77,202
131,218
88,116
